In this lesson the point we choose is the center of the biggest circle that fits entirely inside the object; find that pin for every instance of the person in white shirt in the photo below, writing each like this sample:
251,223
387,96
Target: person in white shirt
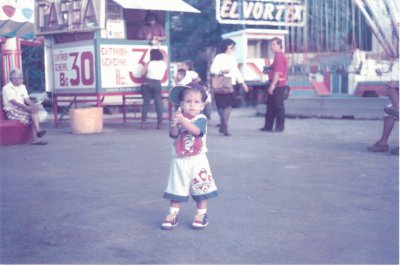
180,78
154,72
225,64
191,75
18,106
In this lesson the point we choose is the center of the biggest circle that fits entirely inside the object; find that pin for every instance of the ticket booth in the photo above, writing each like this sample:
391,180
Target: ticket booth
92,53
253,53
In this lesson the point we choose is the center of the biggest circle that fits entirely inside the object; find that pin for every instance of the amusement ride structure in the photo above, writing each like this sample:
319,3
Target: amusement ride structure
346,47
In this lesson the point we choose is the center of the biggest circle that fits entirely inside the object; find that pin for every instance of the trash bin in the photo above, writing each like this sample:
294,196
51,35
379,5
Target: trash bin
86,120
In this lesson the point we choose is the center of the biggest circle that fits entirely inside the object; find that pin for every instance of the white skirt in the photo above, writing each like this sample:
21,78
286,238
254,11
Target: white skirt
190,176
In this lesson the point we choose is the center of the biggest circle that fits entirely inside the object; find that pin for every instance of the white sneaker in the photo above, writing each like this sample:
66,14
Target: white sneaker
170,221
200,221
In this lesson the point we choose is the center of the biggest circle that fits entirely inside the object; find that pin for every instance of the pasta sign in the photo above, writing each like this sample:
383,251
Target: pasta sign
261,12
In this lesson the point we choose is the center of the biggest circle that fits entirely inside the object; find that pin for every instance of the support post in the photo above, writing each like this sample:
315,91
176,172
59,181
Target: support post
11,57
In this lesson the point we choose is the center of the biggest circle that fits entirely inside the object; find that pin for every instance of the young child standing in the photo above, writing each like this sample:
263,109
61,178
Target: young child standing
190,173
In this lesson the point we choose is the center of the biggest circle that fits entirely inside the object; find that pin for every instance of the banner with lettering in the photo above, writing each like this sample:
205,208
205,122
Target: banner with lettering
74,67
59,16
121,65
261,12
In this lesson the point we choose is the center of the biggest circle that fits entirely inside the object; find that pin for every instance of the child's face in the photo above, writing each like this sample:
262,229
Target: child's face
185,66
179,76
192,103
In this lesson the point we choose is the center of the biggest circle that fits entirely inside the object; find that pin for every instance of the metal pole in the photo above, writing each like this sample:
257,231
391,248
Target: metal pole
394,11
240,9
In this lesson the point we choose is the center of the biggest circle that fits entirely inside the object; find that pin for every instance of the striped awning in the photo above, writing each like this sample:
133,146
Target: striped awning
16,18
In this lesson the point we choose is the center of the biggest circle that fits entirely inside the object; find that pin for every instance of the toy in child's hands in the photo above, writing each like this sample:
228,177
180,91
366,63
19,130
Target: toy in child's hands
177,114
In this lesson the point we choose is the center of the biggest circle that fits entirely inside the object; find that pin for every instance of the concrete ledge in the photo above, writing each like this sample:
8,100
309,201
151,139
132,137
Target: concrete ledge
333,107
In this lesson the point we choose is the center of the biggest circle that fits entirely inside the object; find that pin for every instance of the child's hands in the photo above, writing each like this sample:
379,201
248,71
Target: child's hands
185,123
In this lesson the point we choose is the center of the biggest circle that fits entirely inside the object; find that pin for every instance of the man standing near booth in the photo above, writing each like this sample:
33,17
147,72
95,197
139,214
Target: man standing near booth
276,90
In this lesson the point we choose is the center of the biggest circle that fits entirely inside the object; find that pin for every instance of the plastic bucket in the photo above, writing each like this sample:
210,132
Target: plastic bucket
86,120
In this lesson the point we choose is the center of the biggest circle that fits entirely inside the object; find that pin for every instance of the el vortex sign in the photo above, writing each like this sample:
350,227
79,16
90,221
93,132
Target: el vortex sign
261,12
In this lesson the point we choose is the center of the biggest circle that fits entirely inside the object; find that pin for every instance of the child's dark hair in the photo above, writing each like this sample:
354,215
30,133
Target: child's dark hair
156,55
189,63
194,87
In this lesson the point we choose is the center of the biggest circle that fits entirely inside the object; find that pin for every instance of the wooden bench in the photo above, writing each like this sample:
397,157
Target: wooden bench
13,132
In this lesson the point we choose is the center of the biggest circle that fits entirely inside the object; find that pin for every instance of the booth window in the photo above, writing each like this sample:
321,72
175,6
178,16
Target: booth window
258,48
135,19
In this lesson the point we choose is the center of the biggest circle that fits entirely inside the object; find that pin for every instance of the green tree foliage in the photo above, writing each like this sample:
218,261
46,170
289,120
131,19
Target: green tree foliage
33,68
196,37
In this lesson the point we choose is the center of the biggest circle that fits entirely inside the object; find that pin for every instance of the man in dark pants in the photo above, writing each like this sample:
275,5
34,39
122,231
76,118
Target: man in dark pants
276,90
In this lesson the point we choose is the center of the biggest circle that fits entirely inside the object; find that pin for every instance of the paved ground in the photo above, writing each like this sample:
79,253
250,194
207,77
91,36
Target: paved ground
311,195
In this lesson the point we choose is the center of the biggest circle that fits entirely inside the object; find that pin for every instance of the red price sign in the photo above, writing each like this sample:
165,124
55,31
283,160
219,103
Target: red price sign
74,67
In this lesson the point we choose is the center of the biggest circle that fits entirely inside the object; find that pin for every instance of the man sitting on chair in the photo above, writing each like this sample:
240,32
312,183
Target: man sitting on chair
18,106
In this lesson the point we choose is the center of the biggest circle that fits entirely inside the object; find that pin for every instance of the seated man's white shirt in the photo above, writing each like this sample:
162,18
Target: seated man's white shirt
11,92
